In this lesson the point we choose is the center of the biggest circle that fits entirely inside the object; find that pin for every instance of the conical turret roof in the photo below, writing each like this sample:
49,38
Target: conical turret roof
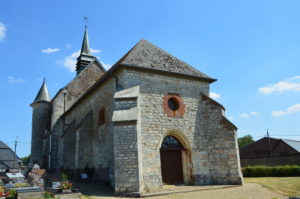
85,48
43,94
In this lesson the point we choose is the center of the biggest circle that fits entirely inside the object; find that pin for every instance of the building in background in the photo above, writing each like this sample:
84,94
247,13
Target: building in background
271,152
8,159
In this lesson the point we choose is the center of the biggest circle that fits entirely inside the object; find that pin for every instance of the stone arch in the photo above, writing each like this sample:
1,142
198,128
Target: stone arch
179,136
185,154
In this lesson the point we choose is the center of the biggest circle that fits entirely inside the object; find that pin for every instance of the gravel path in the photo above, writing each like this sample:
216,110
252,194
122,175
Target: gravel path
247,191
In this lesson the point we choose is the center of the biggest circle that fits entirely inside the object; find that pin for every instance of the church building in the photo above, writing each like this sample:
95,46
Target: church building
145,122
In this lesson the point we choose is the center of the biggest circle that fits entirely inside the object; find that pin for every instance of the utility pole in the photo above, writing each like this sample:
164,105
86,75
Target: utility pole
270,149
15,155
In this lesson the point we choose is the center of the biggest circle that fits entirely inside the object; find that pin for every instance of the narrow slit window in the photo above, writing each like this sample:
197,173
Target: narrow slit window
101,116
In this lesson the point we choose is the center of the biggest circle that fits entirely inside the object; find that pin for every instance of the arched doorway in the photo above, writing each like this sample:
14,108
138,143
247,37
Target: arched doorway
171,160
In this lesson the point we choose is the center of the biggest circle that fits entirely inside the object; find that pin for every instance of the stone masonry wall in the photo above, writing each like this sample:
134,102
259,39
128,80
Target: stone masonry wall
211,144
221,144
126,141
126,158
92,143
40,115
155,123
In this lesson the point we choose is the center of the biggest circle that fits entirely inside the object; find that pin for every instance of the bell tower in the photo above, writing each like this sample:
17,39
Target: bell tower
85,56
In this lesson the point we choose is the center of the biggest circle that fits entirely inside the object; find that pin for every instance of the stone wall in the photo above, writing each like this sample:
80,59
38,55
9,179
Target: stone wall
64,99
220,143
40,123
272,160
211,155
128,144
126,158
154,122
126,141
91,142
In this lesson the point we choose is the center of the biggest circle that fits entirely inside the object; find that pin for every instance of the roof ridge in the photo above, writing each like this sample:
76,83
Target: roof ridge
149,56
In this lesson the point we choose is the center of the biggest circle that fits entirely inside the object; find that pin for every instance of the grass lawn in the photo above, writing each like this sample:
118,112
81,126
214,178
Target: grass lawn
289,186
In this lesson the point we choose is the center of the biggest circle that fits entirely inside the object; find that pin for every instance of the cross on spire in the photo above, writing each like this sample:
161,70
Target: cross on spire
85,20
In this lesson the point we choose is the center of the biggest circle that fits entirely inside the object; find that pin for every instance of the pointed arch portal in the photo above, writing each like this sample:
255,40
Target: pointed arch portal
171,160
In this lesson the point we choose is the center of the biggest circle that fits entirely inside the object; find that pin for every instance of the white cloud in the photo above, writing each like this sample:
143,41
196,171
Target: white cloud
231,118
254,113
291,84
214,95
70,61
106,66
95,51
11,79
2,31
50,50
246,115
291,109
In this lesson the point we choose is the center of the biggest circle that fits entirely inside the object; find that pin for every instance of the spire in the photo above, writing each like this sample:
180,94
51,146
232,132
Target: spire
43,94
85,48
85,57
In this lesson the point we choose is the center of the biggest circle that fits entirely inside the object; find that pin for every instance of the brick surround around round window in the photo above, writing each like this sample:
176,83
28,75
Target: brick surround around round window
173,105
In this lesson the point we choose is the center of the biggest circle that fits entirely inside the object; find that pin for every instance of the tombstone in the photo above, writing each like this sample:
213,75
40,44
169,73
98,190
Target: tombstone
35,177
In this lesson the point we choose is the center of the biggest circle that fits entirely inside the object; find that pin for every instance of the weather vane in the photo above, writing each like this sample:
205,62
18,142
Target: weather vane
86,20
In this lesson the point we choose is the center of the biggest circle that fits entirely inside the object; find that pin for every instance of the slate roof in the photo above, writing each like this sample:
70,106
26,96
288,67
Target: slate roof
146,55
85,48
7,157
43,94
293,143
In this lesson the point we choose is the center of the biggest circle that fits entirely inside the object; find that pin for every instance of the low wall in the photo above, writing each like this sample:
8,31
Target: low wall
31,195
272,160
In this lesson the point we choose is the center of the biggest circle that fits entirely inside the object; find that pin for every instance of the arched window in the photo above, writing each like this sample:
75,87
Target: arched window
101,116
171,142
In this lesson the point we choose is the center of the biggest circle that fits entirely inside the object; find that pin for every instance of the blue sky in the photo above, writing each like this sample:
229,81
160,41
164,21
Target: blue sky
251,47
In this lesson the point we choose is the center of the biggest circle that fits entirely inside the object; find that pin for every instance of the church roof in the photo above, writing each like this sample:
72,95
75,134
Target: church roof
148,56
43,94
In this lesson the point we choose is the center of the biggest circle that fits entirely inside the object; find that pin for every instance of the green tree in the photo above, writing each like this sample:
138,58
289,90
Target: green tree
26,160
245,140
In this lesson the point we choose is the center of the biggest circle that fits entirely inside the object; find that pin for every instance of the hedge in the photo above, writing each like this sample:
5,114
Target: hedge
271,171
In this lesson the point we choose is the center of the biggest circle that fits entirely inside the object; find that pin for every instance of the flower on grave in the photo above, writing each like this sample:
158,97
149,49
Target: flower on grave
11,193
2,192
66,185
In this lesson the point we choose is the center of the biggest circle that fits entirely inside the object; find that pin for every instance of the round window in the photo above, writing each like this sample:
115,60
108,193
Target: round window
173,104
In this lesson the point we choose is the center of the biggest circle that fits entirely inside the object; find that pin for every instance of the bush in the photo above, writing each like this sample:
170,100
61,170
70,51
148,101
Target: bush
64,177
271,171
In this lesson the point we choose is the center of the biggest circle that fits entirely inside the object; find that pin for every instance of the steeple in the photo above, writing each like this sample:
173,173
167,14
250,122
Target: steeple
85,56
43,94
85,48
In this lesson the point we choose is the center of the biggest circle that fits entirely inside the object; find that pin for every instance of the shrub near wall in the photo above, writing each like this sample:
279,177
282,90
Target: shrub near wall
269,171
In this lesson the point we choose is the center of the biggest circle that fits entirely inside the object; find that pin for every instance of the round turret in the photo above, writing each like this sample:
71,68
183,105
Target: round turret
41,114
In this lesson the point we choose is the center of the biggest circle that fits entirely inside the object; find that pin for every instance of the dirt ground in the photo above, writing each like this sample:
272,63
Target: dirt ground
247,191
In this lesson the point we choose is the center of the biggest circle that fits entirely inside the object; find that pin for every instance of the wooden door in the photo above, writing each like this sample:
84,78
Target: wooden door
171,166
